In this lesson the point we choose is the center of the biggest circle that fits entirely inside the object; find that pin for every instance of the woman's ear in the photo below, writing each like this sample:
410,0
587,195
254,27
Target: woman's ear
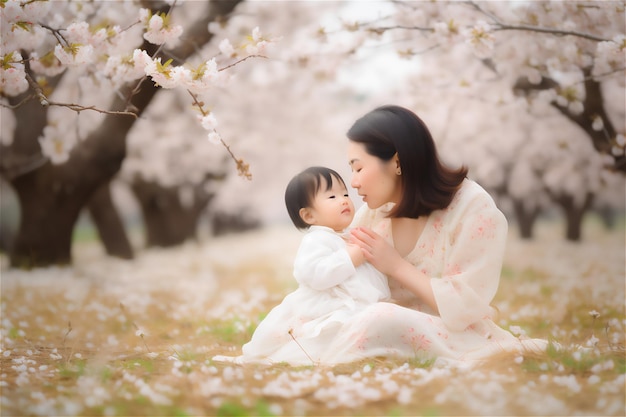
396,161
306,215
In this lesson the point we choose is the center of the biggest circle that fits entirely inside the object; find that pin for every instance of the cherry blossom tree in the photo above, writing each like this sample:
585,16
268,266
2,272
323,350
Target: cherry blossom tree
510,87
552,52
103,62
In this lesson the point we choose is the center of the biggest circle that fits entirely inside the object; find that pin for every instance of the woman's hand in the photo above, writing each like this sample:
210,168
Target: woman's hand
376,250
387,260
356,254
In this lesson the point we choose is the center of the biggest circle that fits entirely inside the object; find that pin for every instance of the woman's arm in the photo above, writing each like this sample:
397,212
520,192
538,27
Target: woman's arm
472,265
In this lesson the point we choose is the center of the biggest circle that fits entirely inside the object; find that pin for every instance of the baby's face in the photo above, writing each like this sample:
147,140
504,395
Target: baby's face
333,207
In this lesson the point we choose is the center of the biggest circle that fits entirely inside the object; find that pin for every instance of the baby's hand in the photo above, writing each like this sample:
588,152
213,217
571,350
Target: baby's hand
355,254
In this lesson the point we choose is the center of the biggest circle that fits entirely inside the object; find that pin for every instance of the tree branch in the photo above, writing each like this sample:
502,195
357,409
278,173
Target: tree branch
530,28
240,61
46,102
242,167
593,107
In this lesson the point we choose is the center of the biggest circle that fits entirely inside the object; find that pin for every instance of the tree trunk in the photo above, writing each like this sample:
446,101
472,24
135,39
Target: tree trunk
525,218
109,224
225,222
50,208
608,216
574,214
168,220
594,106
51,197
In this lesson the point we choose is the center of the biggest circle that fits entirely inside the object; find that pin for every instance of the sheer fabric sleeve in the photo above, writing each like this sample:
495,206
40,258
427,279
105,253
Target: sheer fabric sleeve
474,254
322,261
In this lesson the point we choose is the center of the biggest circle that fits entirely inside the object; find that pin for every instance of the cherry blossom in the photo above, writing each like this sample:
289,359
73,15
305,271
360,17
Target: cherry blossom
12,77
74,55
55,144
209,122
159,30
481,39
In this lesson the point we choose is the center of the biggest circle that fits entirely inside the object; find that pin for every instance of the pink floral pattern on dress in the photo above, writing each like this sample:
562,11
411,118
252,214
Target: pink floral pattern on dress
417,341
452,269
484,229
437,224
362,342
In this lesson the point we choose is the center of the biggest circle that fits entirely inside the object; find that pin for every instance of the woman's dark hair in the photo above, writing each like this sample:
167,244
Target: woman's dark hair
427,184
302,189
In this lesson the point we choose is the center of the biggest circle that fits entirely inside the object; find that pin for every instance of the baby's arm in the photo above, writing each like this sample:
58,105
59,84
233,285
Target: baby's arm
321,261
356,255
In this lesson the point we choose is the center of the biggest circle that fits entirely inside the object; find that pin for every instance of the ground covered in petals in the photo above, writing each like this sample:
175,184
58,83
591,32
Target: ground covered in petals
112,337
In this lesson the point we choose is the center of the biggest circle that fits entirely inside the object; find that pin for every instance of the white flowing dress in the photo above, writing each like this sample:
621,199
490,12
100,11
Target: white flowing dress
331,291
462,249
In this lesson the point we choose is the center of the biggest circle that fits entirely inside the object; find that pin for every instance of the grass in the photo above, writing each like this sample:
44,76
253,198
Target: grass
117,338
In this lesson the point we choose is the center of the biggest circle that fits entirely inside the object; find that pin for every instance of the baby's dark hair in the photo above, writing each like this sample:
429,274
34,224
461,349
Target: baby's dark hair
302,188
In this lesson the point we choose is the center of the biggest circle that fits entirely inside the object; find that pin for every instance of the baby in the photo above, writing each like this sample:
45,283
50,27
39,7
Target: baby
334,281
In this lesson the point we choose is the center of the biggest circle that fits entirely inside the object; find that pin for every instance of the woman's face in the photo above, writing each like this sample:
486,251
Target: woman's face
377,181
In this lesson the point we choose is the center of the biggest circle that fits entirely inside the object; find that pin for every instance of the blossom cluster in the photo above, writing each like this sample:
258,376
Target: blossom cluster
610,55
481,38
158,27
102,42
12,75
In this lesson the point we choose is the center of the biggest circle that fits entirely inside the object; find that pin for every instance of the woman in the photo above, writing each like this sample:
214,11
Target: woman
438,237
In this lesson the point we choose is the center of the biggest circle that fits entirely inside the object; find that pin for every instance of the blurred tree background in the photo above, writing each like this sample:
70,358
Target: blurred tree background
529,95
